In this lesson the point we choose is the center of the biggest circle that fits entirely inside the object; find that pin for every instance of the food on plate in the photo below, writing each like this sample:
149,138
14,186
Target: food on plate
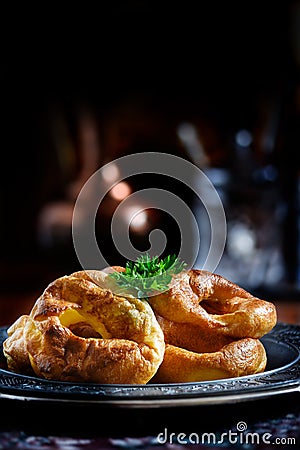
203,311
150,321
80,331
242,357
211,326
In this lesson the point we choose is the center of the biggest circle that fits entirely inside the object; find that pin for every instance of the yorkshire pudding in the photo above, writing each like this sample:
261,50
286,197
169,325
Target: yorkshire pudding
239,358
211,328
202,312
80,331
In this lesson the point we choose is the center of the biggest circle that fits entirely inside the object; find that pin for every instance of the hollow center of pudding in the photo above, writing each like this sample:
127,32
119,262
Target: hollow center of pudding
217,307
82,326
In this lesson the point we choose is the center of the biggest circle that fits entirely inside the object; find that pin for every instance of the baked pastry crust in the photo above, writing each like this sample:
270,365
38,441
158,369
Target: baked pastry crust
203,328
55,341
203,311
239,358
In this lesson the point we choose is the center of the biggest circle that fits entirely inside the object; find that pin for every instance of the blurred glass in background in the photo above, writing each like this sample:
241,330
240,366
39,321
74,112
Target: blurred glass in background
225,98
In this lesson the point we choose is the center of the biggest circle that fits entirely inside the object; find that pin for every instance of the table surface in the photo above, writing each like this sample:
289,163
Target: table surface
28,426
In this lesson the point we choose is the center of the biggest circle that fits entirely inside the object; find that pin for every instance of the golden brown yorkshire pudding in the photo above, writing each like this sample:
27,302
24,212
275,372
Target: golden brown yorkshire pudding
202,312
242,357
207,319
14,348
80,331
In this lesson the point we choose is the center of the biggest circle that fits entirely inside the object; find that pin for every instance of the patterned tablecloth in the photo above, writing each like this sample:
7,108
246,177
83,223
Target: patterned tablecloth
255,425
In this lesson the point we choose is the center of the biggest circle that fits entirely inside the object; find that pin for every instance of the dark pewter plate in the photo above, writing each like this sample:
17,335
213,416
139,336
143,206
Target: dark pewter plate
282,376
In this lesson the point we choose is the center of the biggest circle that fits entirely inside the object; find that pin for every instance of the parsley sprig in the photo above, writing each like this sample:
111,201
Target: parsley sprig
147,276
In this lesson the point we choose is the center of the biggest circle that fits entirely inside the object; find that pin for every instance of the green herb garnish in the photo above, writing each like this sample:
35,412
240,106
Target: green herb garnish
147,276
